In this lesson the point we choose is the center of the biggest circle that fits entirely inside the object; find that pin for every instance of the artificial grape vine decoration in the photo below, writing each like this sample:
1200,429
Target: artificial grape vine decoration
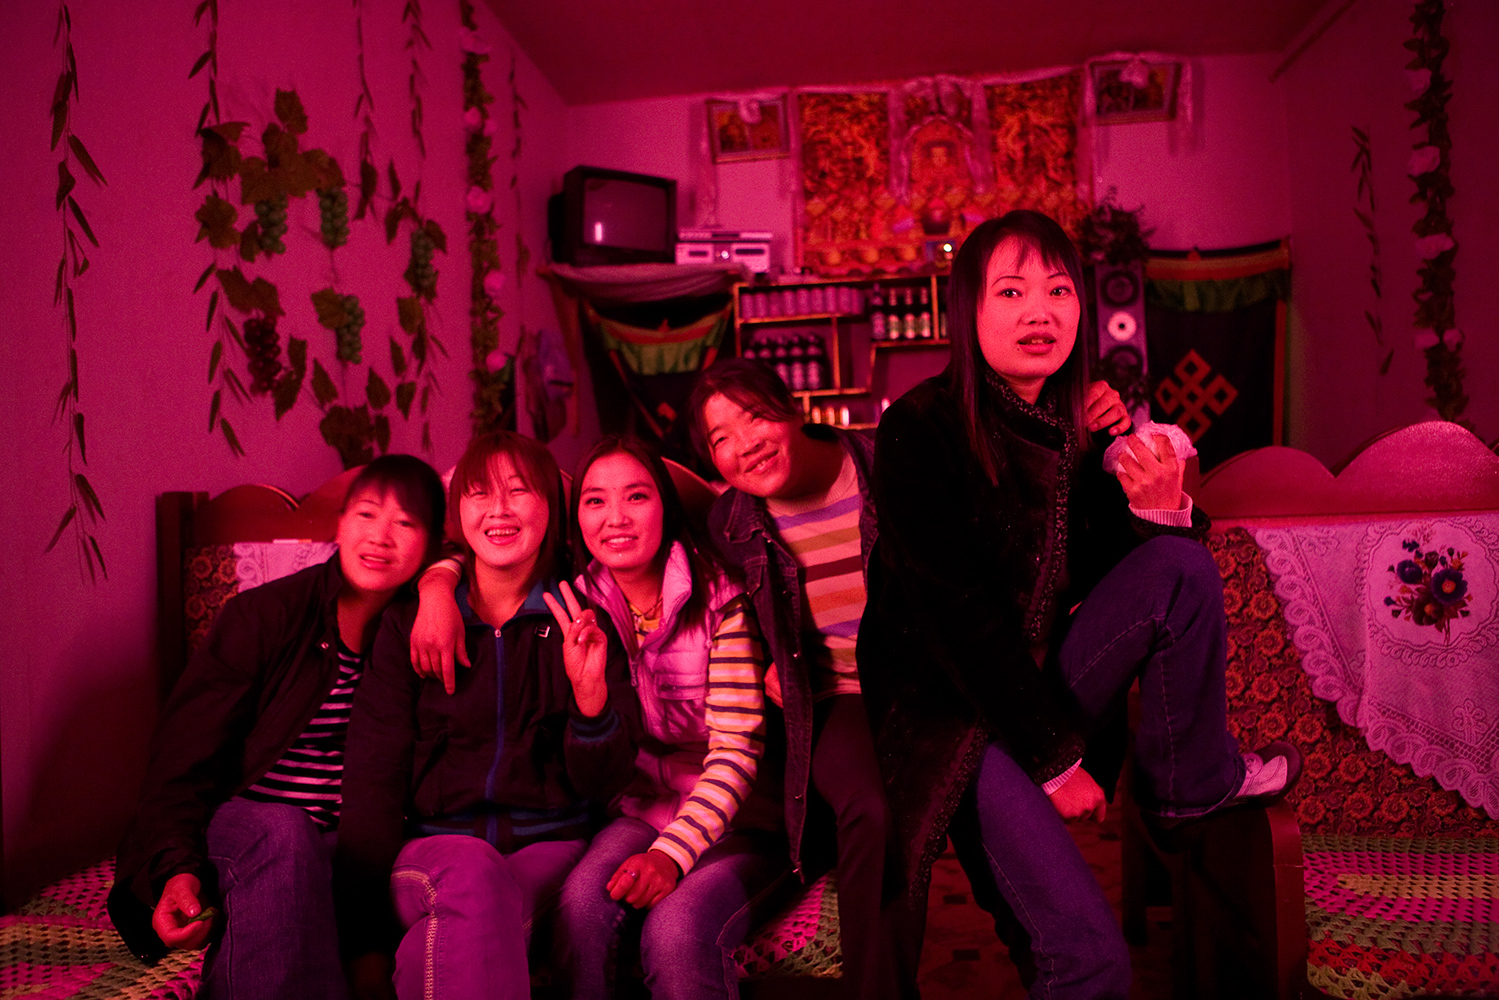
493,390
286,172
84,511
1430,167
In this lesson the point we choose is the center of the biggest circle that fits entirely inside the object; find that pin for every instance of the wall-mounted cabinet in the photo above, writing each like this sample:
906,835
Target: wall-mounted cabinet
845,347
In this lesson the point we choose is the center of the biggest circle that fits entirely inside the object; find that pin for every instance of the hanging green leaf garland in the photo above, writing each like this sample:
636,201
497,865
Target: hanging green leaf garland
1363,167
494,391
84,511
1430,167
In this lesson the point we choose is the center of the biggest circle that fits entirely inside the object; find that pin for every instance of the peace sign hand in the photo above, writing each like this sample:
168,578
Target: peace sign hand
583,651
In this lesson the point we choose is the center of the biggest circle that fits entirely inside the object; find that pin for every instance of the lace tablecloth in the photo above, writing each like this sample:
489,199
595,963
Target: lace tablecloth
262,562
1398,626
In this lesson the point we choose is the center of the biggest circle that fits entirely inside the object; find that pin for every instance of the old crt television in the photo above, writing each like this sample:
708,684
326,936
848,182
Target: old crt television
613,217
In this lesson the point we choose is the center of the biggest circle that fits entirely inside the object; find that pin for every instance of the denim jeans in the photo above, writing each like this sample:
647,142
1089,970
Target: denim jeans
467,912
687,940
1157,616
276,881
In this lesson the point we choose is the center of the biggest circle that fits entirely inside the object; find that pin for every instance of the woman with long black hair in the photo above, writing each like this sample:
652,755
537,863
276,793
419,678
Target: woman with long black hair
1019,591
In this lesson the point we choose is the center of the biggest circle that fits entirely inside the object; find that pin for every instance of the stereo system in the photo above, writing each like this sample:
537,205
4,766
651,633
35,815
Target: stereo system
750,248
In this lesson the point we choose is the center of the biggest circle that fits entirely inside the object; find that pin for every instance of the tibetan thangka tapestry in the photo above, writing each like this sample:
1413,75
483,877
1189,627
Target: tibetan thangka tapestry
894,179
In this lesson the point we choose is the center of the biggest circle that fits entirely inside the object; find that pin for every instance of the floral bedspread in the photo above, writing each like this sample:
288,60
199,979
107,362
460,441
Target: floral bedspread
1397,623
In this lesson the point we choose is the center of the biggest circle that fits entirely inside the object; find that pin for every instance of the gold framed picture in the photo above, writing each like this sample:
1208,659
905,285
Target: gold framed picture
1134,92
731,137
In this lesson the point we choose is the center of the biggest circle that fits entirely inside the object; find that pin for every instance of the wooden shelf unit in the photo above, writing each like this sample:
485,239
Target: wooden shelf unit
846,332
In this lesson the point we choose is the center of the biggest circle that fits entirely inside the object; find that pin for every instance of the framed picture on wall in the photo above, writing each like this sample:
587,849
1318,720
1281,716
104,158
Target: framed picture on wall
1134,91
733,136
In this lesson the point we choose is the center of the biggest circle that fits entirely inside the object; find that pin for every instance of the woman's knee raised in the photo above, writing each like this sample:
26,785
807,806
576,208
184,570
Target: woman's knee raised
1187,564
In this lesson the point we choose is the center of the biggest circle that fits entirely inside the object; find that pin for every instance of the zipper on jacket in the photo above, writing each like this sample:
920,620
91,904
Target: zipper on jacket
492,822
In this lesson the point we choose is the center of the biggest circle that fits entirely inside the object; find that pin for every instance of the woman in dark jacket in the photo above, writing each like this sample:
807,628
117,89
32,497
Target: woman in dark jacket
464,811
233,833
1018,593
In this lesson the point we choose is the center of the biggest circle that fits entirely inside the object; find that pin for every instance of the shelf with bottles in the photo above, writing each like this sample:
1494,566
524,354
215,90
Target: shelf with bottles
826,339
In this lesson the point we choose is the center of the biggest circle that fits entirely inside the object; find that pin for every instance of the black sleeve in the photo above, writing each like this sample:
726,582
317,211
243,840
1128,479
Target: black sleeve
957,608
196,750
376,782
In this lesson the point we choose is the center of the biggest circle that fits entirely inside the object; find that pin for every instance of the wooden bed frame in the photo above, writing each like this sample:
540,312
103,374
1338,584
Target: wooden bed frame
1237,888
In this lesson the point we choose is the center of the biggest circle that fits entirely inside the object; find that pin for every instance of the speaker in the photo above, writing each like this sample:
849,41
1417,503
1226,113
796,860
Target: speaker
1120,295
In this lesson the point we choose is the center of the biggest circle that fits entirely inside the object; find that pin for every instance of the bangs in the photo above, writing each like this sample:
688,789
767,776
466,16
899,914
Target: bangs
414,485
536,468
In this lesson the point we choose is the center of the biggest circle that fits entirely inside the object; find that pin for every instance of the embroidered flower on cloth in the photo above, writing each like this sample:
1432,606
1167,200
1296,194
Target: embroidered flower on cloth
1430,587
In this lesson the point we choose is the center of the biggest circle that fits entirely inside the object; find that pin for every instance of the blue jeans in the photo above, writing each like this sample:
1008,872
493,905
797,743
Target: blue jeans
276,882
1157,616
687,940
467,912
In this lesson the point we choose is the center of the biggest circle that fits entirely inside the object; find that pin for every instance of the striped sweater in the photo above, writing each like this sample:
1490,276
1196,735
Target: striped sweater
310,772
822,534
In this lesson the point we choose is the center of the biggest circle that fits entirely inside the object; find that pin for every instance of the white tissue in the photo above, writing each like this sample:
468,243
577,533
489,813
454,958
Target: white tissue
1178,438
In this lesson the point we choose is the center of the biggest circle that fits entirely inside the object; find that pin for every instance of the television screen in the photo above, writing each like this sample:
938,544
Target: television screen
606,216
624,213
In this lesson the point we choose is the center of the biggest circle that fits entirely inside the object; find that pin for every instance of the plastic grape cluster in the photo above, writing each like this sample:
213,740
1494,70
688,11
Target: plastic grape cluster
334,207
350,347
264,350
272,216
420,274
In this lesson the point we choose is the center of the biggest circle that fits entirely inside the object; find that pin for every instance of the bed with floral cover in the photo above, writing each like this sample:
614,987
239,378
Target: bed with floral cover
1364,627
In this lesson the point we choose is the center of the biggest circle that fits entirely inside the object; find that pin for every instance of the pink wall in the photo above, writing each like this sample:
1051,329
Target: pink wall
1216,181
77,700
1354,76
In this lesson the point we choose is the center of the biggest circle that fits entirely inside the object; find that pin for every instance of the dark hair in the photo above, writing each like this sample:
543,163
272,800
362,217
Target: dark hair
702,561
966,372
416,486
751,384
536,466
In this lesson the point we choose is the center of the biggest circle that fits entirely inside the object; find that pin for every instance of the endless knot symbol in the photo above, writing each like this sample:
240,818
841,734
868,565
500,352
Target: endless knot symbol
1192,397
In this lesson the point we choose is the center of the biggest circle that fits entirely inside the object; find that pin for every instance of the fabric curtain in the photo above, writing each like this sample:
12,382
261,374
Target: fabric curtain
1216,345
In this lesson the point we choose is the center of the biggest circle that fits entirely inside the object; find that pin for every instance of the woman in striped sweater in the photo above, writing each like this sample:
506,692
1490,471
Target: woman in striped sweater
693,849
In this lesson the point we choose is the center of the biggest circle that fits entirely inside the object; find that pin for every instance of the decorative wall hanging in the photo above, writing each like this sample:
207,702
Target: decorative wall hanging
83,512
894,179
1217,326
750,128
1437,334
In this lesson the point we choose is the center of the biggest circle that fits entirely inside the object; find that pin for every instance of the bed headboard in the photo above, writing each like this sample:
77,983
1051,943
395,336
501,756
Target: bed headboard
188,522
1432,467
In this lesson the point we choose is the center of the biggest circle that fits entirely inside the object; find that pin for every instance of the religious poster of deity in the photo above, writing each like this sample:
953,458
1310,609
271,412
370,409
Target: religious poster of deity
894,179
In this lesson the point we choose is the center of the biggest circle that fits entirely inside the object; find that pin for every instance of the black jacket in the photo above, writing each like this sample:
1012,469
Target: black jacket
420,760
267,664
970,593
741,527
